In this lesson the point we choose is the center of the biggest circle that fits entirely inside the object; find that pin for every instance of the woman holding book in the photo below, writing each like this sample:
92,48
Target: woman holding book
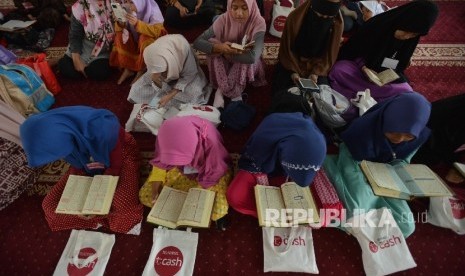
173,75
91,36
144,24
231,69
309,44
189,153
389,132
288,144
92,142
387,41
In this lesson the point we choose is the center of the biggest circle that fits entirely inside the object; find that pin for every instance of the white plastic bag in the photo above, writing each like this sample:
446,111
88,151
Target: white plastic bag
207,112
289,249
364,101
134,123
447,212
384,249
173,253
279,16
86,253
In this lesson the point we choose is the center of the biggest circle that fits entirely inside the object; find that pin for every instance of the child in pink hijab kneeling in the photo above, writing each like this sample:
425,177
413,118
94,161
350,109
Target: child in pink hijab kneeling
189,153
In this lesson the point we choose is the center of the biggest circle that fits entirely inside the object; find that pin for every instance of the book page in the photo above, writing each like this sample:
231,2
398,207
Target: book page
166,210
197,208
425,182
268,197
387,76
300,199
385,176
373,76
100,195
16,25
74,195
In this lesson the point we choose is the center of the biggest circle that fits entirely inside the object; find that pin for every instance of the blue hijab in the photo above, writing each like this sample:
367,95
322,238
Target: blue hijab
74,133
288,142
405,113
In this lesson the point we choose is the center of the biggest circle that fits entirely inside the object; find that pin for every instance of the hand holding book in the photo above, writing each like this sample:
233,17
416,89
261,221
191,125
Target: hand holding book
380,78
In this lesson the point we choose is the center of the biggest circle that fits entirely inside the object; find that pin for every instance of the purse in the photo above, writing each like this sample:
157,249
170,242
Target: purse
237,115
40,65
279,16
330,105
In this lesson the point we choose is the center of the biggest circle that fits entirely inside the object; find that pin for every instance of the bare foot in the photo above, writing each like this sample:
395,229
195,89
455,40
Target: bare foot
126,73
454,176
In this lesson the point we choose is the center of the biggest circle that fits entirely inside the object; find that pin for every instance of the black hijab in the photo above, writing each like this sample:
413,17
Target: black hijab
375,40
315,31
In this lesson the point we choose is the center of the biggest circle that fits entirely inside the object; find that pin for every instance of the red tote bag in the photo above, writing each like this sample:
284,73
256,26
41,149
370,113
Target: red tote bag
40,65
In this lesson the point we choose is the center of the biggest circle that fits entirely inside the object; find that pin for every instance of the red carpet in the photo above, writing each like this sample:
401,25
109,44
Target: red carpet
28,247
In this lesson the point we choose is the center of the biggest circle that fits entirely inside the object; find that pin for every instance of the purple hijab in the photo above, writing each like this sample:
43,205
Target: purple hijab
148,11
405,113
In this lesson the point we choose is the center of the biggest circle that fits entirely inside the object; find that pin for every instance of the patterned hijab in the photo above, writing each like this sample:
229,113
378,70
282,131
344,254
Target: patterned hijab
195,142
95,17
226,28
168,53
288,142
405,113
73,133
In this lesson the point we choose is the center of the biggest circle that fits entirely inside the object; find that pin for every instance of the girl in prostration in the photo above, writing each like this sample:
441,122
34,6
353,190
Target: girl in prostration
309,44
144,24
231,69
91,36
92,142
173,75
189,153
387,40
288,144
389,132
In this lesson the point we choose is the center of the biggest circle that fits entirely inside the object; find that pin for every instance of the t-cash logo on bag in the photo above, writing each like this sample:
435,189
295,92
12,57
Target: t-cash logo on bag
458,208
279,22
278,241
84,253
383,243
168,261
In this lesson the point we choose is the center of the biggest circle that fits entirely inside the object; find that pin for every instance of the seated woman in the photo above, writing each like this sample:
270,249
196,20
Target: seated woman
173,75
93,142
144,24
357,13
189,153
385,41
231,69
91,36
390,131
187,13
309,44
284,143
447,141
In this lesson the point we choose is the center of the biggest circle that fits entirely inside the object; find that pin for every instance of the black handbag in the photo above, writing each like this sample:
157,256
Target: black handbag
237,115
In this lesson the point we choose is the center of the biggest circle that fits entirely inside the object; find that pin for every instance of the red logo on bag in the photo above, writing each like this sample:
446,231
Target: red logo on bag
279,22
277,241
84,253
458,208
203,108
168,261
373,247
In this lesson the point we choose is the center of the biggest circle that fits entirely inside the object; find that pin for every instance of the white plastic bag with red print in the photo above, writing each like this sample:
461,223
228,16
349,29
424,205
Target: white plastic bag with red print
289,250
447,212
279,16
173,253
86,253
384,250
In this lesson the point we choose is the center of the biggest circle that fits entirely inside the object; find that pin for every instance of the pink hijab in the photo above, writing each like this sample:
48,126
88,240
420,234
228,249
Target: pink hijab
195,142
228,29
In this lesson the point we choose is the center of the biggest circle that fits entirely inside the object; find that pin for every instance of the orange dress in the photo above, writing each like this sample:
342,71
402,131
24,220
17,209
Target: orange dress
129,55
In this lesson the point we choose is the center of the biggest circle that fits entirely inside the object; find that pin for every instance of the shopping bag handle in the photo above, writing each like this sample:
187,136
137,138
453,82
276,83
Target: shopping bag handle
291,238
77,249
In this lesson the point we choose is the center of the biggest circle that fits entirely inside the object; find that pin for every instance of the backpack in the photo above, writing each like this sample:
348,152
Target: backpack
23,89
330,105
